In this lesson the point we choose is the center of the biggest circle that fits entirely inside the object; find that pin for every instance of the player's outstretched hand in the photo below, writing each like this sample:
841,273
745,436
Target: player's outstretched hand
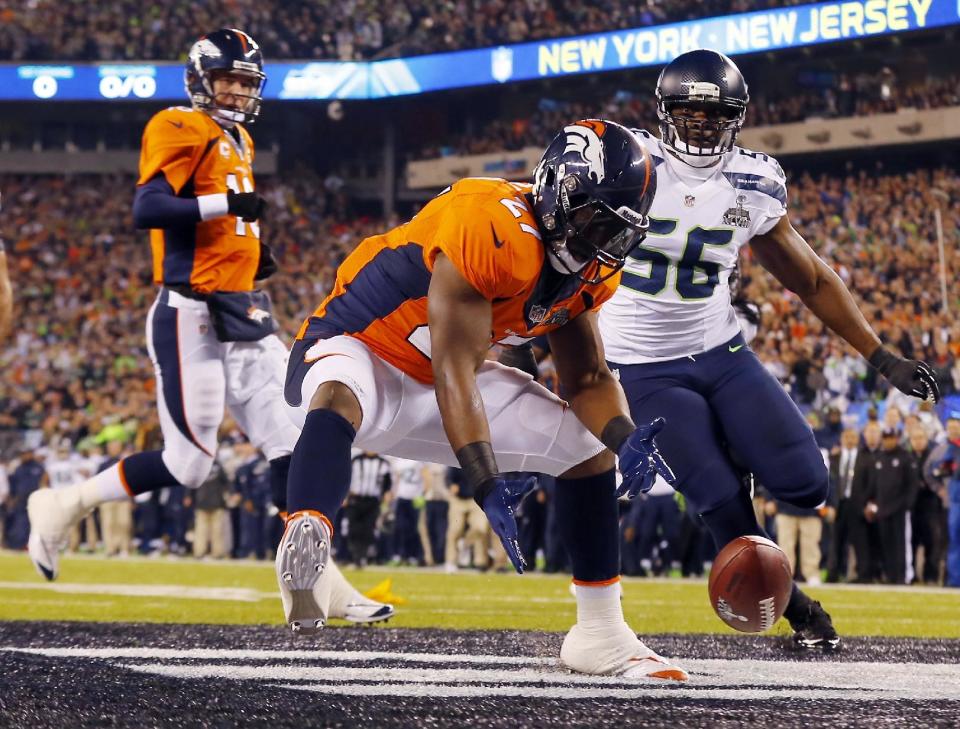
640,461
268,264
910,376
499,506
248,206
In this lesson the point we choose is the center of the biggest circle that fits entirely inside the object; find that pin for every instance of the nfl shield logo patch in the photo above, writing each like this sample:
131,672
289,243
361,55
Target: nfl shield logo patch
501,63
689,200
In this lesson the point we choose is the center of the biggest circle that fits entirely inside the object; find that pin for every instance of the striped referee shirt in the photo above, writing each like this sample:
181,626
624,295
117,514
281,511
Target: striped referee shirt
371,475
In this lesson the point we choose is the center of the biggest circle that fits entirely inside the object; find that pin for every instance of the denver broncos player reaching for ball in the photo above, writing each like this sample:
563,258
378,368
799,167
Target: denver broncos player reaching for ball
209,334
672,335
393,361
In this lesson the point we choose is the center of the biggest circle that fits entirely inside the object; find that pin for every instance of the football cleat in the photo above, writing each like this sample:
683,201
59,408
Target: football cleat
302,559
52,513
347,603
814,630
615,652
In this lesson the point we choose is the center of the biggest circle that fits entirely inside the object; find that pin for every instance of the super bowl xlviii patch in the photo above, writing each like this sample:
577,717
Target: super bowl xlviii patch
738,216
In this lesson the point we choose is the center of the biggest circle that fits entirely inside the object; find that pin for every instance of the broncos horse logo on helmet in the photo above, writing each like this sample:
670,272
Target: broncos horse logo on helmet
227,50
711,94
592,190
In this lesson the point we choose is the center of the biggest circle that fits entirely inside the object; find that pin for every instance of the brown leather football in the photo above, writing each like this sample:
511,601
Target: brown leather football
750,584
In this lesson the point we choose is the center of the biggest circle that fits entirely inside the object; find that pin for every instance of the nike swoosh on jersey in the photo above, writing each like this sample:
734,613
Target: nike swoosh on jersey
497,243
735,349
178,125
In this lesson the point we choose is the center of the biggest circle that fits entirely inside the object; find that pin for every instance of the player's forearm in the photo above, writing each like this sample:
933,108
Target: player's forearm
600,402
461,407
156,206
834,305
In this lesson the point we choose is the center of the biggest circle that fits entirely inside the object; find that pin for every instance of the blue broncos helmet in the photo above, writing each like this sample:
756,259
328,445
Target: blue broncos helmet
229,51
592,191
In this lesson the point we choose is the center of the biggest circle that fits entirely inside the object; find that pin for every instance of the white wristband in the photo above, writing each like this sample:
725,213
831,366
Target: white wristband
212,206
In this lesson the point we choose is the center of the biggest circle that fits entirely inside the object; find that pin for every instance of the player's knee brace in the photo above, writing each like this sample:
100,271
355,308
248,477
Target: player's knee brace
190,468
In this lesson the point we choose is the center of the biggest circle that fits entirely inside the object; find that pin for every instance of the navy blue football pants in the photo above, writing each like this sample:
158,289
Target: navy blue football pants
719,402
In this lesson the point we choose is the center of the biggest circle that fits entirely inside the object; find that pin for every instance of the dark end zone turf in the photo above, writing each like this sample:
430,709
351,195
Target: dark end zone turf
81,674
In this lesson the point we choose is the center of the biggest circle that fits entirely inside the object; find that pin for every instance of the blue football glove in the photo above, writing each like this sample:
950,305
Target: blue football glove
640,461
499,506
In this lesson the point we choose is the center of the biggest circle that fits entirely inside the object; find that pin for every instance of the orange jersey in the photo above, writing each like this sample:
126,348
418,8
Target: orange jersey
487,229
198,157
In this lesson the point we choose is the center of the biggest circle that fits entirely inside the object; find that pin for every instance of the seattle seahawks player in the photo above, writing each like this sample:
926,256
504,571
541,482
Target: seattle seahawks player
672,334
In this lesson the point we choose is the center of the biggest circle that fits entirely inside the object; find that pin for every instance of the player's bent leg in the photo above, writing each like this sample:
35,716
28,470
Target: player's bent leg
601,642
323,391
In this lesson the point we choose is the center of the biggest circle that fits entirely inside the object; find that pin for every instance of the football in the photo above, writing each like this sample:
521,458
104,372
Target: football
750,584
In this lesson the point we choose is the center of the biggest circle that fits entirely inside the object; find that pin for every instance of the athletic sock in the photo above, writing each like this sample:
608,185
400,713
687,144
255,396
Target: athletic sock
588,522
599,608
136,474
279,473
320,466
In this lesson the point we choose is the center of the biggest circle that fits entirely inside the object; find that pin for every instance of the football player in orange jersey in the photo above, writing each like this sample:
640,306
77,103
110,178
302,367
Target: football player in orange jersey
210,334
394,361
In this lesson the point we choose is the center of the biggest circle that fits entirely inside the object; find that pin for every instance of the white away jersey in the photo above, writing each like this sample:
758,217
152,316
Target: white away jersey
408,478
674,299
68,471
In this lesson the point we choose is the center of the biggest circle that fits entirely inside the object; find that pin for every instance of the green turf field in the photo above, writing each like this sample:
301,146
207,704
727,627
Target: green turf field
186,591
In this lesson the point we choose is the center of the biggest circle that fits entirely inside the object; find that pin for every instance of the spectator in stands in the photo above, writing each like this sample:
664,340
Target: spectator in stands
210,526
436,517
799,530
4,497
467,521
928,512
116,517
252,482
6,298
27,477
843,466
947,466
863,529
408,484
892,486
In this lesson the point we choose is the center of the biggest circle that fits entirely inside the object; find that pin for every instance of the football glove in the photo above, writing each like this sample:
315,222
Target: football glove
248,206
499,506
640,461
268,264
910,376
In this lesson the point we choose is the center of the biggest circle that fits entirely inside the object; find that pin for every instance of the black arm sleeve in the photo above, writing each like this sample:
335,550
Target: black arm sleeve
156,206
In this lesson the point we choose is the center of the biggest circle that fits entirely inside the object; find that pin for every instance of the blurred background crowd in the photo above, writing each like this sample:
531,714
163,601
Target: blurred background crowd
36,30
80,386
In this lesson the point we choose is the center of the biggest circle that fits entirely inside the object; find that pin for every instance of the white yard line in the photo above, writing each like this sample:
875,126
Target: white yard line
225,594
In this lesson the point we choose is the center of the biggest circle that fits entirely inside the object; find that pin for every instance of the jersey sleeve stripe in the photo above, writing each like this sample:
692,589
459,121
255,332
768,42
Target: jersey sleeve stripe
758,183
389,278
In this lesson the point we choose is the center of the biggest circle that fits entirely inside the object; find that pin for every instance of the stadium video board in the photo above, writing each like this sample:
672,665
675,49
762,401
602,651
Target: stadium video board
656,45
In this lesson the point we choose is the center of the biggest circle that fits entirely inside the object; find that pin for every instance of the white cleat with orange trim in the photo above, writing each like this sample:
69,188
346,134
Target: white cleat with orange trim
52,513
615,651
302,559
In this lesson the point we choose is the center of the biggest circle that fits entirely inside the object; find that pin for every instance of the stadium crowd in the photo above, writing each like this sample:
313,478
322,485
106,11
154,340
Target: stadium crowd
857,95
44,30
80,386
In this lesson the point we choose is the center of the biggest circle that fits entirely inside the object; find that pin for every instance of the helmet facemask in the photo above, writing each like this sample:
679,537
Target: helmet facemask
700,141
595,237
229,116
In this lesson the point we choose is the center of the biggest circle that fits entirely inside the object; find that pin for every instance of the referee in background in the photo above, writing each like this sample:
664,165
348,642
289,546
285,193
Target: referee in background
370,480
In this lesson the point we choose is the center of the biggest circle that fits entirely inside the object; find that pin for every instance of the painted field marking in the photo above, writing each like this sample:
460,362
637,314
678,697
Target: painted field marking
337,673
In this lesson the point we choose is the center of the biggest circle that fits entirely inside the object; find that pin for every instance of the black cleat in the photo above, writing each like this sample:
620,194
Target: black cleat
813,630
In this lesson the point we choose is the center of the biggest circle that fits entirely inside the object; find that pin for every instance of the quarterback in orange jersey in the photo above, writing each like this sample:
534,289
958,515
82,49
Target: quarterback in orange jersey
209,333
393,361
